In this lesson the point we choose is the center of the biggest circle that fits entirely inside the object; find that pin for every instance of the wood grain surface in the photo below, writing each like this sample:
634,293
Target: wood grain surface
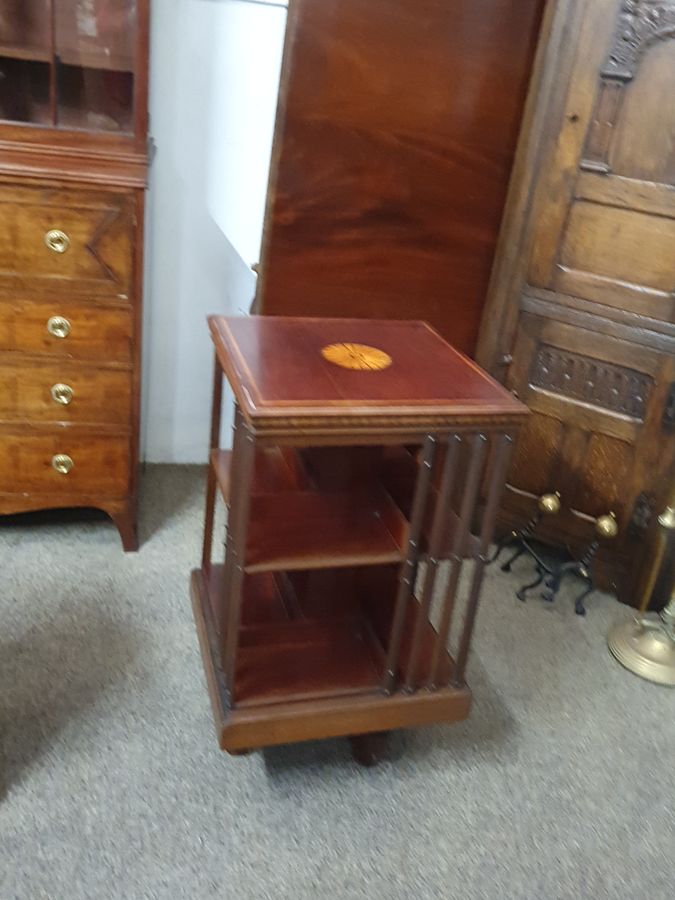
397,125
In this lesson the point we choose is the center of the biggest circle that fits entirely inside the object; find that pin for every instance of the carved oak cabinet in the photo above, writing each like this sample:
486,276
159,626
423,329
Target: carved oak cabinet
580,320
73,157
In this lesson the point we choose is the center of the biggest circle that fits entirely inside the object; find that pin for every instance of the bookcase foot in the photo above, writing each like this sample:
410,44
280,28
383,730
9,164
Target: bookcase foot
369,749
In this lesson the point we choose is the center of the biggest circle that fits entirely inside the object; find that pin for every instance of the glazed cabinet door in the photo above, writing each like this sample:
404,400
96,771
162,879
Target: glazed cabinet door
71,64
587,335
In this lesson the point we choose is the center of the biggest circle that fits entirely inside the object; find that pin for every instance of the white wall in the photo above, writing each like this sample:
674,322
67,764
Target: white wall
214,80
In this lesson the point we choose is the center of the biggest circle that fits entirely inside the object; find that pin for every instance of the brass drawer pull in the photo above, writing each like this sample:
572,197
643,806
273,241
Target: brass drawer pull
57,241
62,463
62,393
58,327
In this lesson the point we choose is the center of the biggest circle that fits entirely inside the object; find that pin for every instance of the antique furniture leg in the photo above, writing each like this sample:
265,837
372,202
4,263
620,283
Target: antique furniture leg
579,607
369,749
125,519
548,504
605,527
541,574
506,567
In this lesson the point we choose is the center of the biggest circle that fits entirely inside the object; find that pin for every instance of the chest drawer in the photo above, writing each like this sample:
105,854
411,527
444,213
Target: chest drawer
63,392
66,329
65,464
83,238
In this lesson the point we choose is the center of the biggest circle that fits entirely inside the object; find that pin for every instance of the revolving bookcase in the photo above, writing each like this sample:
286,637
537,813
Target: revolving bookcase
361,450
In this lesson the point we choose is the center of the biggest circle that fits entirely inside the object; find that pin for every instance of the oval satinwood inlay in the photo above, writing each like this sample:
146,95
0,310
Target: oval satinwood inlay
357,356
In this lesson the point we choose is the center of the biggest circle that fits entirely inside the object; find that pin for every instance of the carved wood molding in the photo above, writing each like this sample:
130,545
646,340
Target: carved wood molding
607,385
641,24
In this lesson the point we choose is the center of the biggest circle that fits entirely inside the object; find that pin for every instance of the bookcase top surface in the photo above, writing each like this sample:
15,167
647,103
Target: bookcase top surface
335,369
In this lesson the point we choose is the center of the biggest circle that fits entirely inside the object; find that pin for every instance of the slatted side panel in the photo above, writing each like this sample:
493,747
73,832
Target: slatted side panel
464,493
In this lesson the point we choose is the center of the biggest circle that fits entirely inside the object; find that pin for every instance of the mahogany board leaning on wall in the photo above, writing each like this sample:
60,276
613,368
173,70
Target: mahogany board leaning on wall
395,136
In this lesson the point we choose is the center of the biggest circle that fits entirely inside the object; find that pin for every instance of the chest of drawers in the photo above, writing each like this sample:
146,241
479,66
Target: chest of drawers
69,335
73,162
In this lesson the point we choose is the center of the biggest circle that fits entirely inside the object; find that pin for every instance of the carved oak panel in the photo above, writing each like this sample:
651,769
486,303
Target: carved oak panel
609,385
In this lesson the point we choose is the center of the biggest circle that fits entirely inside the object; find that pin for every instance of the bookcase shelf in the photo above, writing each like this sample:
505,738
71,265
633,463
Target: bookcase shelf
318,623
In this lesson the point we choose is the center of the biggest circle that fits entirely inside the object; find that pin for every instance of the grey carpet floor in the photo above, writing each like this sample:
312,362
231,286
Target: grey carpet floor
560,785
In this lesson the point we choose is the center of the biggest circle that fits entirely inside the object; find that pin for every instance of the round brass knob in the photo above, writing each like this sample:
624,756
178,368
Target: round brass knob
58,327
62,463
667,518
549,504
57,241
607,527
62,393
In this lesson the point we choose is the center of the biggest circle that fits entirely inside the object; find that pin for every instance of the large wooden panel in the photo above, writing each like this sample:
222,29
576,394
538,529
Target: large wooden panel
611,243
643,141
395,137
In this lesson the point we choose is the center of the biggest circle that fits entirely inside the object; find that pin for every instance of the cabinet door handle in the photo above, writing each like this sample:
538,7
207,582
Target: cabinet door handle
57,240
62,393
58,327
62,463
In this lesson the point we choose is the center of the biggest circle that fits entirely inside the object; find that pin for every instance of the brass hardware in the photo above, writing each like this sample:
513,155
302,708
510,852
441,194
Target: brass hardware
667,522
549,504
62,393
607,527
645,644
357,356
62,463
643,510
667,518
57,241
58,327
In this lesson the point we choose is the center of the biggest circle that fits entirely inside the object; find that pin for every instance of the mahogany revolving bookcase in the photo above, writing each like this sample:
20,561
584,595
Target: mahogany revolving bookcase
362,449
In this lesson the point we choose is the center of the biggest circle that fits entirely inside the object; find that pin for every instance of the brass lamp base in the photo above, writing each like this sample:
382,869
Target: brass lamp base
646,646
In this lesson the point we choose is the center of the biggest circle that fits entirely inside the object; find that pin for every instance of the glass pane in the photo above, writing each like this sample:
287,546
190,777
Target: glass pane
25,40
24,91
25,31
95,47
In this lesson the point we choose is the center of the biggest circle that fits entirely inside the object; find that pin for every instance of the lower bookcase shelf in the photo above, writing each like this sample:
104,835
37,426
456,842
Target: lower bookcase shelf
310,640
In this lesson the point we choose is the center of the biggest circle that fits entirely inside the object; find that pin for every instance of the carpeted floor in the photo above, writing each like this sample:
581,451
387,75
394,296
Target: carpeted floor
559,786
